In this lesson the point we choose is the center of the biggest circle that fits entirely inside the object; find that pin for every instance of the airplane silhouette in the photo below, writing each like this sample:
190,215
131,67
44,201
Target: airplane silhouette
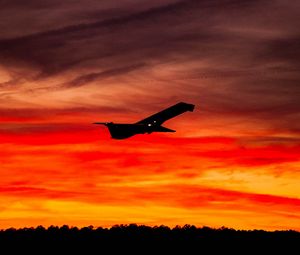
148,125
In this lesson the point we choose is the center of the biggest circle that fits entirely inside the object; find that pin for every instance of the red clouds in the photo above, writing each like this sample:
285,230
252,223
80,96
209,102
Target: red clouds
265,155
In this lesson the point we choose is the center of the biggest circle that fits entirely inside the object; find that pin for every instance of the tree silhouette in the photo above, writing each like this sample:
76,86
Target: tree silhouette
143,239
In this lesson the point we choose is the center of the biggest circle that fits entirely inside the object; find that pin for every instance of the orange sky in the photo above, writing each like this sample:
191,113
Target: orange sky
234,161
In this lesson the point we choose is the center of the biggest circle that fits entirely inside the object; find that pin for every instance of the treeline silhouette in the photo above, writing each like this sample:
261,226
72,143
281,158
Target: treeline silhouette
141,239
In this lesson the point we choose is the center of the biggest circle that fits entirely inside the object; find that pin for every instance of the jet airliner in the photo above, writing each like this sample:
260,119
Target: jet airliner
148,125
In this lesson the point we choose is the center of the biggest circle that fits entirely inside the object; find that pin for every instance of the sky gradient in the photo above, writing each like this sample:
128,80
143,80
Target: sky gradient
234,161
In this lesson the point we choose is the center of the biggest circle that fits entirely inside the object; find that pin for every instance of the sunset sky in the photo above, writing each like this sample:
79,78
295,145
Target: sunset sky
234,161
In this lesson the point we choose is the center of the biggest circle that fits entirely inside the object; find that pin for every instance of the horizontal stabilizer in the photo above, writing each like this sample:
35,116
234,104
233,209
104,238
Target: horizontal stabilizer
163,129
101,123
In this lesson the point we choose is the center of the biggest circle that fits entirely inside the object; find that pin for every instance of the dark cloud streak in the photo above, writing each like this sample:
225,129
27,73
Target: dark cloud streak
87,78
154,33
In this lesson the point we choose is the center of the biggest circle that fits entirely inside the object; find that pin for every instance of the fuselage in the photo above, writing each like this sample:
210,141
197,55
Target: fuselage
122,131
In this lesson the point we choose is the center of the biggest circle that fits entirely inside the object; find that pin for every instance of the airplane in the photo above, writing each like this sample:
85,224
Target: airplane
149,124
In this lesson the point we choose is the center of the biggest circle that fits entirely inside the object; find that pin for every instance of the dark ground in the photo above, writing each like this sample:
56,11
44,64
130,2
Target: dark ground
140,239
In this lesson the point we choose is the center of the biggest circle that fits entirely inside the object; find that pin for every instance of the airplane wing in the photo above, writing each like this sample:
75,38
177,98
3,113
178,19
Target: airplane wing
171,112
